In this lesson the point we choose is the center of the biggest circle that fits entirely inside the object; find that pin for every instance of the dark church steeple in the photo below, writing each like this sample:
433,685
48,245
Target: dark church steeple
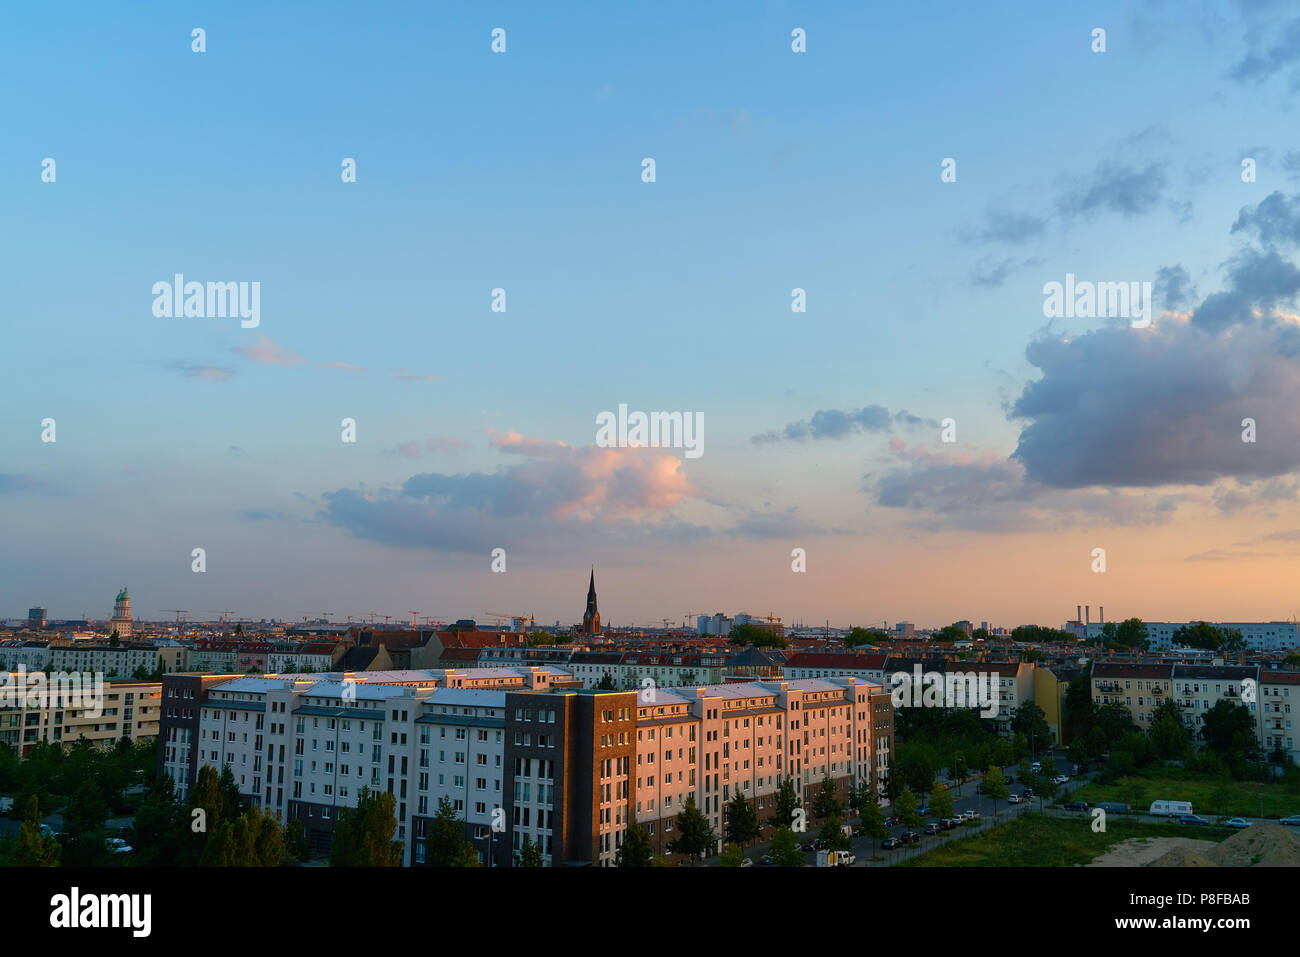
591,617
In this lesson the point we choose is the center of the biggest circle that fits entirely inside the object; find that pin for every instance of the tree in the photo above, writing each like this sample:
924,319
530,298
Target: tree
637,849
530,854
995,788
784,849
444,840
957,770
873,820
363,835
826,804
606,683
732,856
1030,720
941,802
1132,633
862,636
748,633
35,849
1170,736
114,640
1222,722
787,802
742,822
1199,635
295,840
906,809
695,835
833,836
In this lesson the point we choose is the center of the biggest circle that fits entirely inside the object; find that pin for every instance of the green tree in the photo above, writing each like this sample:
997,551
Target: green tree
606,683
787,802
906,809
873,820
784,849
750,634
695,835
295,840
444,840
826,804
530,854
35,849
995,788
732,856
742,822
833,836
363,835
1132,633
637,849
957,770
941,802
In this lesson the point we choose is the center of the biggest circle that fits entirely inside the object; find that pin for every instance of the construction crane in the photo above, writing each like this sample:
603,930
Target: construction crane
179,612
218,611
434,622
415,620
667,622
770,617
524,620
693,614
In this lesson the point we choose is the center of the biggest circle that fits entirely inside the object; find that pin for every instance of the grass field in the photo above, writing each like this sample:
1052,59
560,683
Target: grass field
1036,840
1225,798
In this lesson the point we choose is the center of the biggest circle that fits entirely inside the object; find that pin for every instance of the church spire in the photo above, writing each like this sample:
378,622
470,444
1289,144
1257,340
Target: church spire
591,617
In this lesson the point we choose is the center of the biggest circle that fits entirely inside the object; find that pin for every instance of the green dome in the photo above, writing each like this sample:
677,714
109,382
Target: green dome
123,594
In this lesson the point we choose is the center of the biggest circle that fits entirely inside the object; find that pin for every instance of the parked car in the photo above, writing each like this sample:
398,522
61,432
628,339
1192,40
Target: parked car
767,860
845,859
1014,799
1061,779
932,828
892,821
1240,822
923,811
1027,793
47,830
1170,808
950,822
119,846
1075,805
911,837
890,843
971,815
1293,820
1192,819
1036,766
1011,779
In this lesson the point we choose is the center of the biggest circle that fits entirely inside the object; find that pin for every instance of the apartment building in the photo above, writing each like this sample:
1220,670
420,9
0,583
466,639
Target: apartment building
809,664
1275,712
714,741
34,710
1198,688
1141,688
534,757
33,655
122,660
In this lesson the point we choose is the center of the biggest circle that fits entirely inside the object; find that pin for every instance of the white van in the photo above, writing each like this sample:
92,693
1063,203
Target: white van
1171,808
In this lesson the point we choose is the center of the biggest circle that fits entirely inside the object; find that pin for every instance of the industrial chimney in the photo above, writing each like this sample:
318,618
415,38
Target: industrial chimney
1087,613
1078,613
1101,614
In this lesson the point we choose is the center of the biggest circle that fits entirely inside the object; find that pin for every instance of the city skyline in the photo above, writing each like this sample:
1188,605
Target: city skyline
782,177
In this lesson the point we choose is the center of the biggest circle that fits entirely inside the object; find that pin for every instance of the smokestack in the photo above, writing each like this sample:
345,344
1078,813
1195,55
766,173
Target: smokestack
1087,612
1078,613
1101,614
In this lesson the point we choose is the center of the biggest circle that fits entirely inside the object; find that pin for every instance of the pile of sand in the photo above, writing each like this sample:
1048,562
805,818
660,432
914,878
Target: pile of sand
1183,857
1264,845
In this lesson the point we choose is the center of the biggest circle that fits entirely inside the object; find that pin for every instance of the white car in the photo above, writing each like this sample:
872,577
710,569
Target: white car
1061,779
1014,799
747,862
119,846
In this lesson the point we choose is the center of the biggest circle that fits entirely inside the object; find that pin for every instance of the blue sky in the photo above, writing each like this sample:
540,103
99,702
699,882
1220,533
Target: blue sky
775,170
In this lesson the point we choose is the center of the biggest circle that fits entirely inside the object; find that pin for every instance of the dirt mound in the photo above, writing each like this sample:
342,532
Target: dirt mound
1264,845
1183,857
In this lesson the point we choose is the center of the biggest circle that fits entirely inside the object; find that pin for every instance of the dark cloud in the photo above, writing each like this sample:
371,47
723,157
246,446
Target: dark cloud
842,423
1257,280
987,273
1278,54
1173,288
1274,222
1002,227
1114,188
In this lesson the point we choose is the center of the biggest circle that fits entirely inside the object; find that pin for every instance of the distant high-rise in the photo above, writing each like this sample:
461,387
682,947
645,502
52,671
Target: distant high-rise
36,617
591,617
121,622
